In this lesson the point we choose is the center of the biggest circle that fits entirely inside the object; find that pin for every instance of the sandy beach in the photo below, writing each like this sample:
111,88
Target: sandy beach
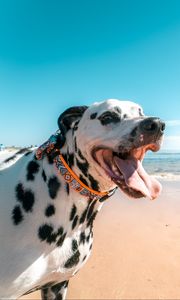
90,101
136,251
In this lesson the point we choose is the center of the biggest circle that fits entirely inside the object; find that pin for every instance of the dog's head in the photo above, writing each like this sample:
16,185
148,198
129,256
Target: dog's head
113,137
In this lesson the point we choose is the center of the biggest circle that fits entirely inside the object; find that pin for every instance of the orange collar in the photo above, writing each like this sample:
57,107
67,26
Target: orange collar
69,176
76,184
73,176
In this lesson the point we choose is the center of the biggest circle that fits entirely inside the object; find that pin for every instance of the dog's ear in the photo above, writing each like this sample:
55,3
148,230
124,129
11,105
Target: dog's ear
70,115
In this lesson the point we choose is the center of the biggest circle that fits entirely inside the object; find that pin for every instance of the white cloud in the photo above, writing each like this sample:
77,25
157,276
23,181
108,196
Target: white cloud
173,123
171,142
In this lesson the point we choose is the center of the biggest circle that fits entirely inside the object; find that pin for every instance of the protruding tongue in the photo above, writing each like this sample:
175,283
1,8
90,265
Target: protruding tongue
137,178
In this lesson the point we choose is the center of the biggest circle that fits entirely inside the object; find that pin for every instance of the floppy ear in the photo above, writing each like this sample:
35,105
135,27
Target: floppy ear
70,115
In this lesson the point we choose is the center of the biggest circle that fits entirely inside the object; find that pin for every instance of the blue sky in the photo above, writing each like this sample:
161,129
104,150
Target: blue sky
56,54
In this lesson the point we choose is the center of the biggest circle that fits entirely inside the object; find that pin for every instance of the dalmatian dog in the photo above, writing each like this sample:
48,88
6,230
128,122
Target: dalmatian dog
46,225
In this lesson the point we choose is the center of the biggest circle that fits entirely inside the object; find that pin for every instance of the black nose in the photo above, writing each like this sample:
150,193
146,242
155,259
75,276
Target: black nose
152,126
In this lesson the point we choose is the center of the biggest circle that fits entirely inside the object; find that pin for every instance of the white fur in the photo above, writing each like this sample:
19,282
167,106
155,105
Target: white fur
25,261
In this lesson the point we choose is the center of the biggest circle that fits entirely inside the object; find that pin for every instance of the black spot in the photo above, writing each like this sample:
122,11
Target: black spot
118,109
83,166
73,260
91,219
73,212
81,156
28,201
34,157
54,153
44,292
61,240
109,117
66,284
90,247
75,144
83,180
65,157
17,215
134,132
67,188
71,160
57,288
57,294
60,231
83,216
90,211
74,223
32,169
44,176
82,238
19,192
53,185
61,139
87,238
102,199
94,183
140,112
45,233
50,159
59,297
125,116
93,116
50,210
74,245
84,258
26,197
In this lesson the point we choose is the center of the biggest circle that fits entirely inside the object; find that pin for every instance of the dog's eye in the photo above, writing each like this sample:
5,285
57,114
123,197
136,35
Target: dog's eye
109,117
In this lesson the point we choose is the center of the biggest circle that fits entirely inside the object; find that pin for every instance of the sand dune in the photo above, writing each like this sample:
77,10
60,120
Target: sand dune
136,253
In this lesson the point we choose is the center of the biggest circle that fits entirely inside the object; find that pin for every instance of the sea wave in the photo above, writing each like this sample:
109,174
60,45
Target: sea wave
167,176
165,166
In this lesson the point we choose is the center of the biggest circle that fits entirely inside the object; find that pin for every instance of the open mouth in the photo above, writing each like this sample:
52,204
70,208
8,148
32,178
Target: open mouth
126,170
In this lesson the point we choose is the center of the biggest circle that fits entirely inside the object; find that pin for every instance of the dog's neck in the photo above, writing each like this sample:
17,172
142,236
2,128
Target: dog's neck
83,167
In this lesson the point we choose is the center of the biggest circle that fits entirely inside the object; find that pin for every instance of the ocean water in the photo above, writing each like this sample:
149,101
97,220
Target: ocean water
165,165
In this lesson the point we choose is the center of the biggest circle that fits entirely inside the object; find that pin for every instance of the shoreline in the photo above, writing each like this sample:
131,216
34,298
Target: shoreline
162,176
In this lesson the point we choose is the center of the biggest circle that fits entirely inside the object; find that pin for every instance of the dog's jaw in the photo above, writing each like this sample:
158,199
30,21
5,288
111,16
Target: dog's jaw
82,164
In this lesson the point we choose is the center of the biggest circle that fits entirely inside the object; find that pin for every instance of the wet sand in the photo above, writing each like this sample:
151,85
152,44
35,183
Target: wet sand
136,251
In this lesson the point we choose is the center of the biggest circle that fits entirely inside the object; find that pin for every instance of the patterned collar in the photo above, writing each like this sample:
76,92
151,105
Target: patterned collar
49,147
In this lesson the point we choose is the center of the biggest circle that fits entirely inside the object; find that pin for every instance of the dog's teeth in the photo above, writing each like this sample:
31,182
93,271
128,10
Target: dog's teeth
114,168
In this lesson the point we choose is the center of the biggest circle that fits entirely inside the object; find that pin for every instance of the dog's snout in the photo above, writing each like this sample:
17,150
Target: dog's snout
152,126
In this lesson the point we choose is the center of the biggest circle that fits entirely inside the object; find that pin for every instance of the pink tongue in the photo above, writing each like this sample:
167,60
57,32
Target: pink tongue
136,177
